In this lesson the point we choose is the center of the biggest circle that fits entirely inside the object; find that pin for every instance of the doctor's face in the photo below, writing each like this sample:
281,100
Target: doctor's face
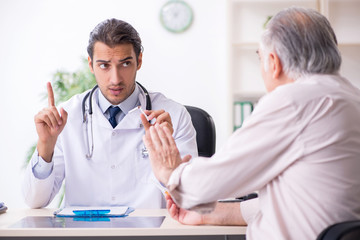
115,70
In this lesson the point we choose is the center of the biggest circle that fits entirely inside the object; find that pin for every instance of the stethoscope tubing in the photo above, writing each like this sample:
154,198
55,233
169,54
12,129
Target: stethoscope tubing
90,94
90,146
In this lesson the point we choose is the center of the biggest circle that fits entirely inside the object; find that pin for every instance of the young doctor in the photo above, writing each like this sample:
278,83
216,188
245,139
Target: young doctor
95,146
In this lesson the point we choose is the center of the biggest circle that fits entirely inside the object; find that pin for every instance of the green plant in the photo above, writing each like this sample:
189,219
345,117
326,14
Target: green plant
66,84
268,18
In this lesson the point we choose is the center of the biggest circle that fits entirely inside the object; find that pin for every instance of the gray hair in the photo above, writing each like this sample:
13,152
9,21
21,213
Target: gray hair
304,41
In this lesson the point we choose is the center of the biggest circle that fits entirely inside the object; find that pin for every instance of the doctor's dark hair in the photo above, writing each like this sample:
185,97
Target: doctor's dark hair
113,32
304,42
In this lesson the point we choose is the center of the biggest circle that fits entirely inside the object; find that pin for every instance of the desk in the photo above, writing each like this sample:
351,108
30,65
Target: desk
169,229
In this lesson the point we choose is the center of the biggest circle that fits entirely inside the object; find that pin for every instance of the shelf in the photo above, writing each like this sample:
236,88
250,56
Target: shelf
344,17
248,96
256,13
293,2
348,44
246,24
350,67
246,71
252,45
344,1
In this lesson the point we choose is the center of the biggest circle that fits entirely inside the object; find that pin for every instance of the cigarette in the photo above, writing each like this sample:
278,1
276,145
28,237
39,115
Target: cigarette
139,108
161,188
144,113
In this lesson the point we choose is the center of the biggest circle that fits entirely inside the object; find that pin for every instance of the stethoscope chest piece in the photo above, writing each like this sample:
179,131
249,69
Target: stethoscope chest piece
144,152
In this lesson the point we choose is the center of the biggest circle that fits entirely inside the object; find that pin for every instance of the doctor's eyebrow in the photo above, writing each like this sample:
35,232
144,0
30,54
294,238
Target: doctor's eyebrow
127,58
103,61
121,60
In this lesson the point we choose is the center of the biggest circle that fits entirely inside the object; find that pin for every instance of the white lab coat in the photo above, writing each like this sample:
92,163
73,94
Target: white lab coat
118,173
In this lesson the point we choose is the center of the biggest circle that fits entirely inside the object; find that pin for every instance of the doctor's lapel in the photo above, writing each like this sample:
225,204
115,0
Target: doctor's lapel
98,116
132,120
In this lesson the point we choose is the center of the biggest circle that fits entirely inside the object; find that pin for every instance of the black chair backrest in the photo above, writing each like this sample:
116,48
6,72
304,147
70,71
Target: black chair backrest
205,131
349,230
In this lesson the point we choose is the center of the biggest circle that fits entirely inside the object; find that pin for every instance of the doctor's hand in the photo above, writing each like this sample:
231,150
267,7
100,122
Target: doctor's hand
49,124
163,118
163,152
182,215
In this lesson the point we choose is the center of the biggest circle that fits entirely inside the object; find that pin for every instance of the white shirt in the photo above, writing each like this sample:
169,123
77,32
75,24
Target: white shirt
119,172
300,149
128,104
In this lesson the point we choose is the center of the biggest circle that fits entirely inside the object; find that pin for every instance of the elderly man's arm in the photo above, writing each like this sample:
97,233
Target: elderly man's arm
223,214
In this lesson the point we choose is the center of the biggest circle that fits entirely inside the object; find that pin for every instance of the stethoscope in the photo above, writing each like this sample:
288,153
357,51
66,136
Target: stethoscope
87,118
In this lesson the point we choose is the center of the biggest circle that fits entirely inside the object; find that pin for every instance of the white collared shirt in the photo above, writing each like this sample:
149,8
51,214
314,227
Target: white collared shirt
300,149
128,104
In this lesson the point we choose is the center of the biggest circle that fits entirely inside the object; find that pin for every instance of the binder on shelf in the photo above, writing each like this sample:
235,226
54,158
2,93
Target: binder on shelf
242,110
3,208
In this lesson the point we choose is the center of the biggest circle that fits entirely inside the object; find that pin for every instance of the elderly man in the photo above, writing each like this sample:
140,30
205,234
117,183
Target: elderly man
300,148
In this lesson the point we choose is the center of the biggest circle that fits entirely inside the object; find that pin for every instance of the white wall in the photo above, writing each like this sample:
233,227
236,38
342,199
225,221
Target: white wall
38,37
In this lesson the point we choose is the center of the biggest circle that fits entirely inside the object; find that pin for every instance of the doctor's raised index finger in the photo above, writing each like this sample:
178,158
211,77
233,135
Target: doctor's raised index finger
50,92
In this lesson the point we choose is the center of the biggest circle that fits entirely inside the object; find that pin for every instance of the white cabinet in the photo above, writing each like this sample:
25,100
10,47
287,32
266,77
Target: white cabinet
246,24
344,16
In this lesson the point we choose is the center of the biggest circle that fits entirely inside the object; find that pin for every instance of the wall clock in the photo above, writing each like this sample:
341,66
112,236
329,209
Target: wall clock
176,16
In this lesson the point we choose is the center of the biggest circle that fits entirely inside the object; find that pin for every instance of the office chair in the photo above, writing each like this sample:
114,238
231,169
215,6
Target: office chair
206,138
349,230
205,131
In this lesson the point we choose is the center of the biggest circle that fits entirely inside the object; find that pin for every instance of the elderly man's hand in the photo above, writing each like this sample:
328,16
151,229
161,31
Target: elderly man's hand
182,215
164,155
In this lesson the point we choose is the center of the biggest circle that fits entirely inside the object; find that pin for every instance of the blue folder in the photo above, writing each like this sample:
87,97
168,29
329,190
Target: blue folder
3,208
92,212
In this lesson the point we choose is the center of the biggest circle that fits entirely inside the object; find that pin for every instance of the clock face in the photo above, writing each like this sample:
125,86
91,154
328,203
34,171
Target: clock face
176,16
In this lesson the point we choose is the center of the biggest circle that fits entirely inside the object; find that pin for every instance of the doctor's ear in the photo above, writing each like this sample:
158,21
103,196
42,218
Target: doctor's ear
139,61
90,64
